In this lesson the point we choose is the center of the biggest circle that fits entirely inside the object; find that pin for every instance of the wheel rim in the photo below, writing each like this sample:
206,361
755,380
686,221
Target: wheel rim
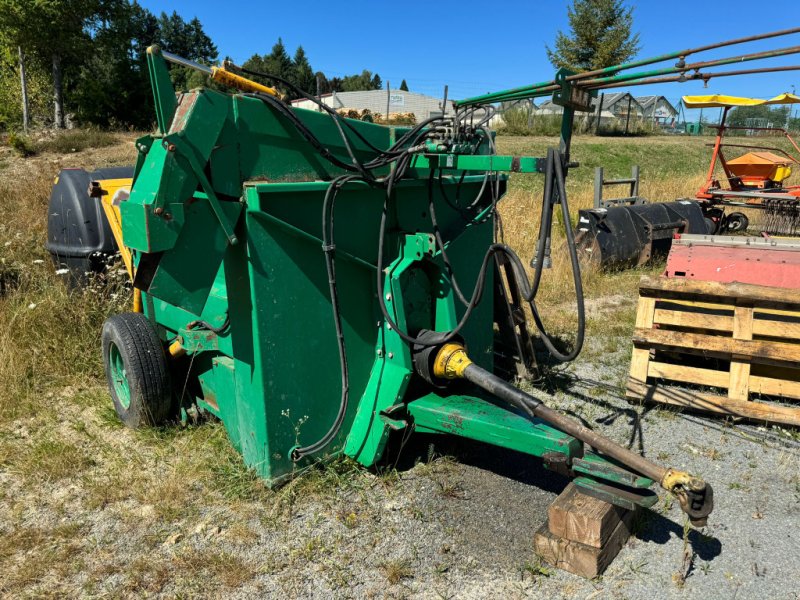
119,378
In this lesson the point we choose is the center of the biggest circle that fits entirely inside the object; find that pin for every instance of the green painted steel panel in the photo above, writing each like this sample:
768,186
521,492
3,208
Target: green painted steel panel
480,420
272,375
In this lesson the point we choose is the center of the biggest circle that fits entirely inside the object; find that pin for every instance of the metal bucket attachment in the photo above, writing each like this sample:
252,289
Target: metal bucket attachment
628,236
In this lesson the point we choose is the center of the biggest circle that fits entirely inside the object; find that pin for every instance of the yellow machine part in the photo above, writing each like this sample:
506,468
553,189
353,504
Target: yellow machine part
722,101
108,192
754,167
225,77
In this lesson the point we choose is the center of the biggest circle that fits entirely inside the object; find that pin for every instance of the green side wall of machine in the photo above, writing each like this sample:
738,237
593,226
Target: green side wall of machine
309,281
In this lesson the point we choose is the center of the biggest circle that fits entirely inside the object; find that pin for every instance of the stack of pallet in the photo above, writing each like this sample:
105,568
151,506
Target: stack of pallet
728,348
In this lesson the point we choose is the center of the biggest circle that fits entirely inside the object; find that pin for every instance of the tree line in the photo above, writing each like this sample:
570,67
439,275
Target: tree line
85,61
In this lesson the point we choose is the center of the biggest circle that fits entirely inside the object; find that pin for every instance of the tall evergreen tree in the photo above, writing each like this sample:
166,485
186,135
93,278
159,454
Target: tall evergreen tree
365,81
278,61
111,85
403,86
600,36
55,32
302,73
186,39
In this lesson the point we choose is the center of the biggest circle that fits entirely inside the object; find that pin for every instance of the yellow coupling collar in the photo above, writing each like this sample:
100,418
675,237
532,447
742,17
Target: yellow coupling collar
451,361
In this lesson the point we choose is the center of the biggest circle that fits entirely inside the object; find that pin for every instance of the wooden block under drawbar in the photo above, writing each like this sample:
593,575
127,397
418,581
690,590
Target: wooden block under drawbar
580,518
577,558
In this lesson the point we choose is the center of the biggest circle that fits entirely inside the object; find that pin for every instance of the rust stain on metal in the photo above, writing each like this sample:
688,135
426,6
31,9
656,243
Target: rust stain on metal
185,104
211,399
455,422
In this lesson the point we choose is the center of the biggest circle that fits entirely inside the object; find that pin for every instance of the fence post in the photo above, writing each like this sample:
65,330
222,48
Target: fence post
388,99
628,116
599,113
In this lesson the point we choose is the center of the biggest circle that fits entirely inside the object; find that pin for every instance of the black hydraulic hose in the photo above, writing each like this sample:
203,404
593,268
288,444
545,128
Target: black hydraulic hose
303,130
384,157
528,291
206,325
576,278
545,221
329,250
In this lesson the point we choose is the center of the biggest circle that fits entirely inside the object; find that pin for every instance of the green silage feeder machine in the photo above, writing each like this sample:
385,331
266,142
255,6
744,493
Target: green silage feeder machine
318,283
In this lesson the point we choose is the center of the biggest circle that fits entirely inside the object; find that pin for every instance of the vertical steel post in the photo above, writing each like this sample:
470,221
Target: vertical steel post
567,119
598,187
599,113
635,183
388,99
628,116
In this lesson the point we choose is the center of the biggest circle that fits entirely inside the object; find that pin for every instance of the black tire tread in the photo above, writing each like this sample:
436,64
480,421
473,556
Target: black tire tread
146,369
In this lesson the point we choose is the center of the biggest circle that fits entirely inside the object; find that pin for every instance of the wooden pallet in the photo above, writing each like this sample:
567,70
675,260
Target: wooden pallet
740,338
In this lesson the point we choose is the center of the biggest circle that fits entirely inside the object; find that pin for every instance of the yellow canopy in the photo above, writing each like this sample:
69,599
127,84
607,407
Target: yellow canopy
720,100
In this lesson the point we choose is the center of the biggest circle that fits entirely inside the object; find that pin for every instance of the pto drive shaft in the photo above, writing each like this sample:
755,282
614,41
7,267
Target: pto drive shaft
695,496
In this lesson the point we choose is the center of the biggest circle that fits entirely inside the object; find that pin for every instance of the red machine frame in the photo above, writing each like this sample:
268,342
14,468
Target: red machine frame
737,193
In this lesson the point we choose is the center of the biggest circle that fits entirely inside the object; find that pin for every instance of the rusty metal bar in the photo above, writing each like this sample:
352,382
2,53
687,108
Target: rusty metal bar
682,53
616,80
695,66
694,76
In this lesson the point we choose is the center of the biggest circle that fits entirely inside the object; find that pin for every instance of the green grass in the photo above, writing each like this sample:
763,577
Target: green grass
67,141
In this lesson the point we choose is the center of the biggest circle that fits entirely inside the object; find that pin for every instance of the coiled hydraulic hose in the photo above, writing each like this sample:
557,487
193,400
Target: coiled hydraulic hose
554,180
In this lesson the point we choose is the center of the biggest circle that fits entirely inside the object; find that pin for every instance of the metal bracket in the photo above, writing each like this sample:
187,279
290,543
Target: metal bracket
418,245
197,340
570,96
174,143
628,498
390,417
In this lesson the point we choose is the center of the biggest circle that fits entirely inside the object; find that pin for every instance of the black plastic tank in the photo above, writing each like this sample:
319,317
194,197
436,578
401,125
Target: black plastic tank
79,237
626,236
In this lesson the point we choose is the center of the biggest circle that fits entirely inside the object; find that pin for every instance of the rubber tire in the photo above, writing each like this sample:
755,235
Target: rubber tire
131,337
739,219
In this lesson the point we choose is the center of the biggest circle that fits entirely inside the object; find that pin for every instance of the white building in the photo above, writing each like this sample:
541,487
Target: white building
614,106
423,107
377,102
658,109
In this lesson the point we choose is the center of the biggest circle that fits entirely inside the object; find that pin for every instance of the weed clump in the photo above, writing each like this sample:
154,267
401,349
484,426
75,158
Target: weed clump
21,144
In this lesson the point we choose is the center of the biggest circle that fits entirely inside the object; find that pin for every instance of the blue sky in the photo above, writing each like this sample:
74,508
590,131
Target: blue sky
476,47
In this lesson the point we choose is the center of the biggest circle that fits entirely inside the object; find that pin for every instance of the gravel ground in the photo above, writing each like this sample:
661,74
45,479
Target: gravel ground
454,520
462,527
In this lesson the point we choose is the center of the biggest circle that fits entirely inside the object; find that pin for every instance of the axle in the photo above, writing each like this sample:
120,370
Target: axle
450,361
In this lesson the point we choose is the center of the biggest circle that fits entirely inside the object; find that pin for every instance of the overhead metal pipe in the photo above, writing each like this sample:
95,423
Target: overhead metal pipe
694,76
682,53
541,88
694,66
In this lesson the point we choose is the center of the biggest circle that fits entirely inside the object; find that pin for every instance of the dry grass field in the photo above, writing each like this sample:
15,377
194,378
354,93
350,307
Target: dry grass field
89,508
